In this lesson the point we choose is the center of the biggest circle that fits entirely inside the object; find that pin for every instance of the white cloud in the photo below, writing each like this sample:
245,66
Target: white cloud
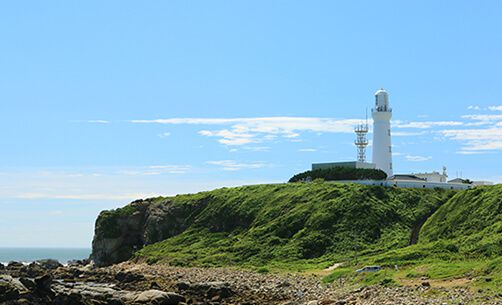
232,165
408,134
90,197
426,125
487,139
257,148
465,152
495,108
487,118
156,170
243,131
474,107
164,135
73,186
417,158
307,150
98,121
230,137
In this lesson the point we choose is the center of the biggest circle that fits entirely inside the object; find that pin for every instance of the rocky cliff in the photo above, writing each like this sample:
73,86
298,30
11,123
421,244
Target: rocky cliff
121,232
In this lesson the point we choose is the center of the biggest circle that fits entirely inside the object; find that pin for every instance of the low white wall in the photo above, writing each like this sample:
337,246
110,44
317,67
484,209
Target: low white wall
410,184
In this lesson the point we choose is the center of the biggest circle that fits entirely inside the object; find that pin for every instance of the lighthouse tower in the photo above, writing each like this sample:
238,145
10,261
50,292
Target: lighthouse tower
382,149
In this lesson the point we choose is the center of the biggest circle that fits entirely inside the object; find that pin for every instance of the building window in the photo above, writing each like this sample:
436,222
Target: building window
388,132
390,149
390,165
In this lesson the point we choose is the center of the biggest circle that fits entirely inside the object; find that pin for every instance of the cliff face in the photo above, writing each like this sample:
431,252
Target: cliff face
119,233
263,223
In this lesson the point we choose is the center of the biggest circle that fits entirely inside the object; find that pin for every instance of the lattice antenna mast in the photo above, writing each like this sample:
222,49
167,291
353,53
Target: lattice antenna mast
361,142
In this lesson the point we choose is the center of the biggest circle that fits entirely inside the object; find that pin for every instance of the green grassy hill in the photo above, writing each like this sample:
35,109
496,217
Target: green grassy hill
310,226
302,225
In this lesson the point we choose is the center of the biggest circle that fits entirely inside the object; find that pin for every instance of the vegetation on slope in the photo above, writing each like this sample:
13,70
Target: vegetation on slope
294,225
461,241
340,173
300,226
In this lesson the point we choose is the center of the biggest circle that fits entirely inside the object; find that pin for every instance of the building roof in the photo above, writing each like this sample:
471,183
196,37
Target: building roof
458,180
406,177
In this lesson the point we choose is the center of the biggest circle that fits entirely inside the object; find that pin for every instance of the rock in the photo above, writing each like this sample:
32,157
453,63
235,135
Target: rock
119,234
212,289
43,282
28,283
426,284
49,263
68,299
10,288
8,292
157,297
79,262
154,285
128,277
182,286
2,267
14,265
32,270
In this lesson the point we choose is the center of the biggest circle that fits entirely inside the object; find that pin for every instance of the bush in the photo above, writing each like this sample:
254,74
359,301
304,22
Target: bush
340,173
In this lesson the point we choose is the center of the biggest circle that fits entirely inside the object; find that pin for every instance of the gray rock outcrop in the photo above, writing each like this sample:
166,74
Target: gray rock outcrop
119,233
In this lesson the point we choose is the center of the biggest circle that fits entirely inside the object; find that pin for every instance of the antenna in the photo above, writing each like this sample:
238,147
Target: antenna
361,140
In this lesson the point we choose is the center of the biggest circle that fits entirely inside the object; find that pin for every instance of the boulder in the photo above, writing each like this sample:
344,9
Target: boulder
128,277
43,287
28,283
213,289
157,297
14,265
8,292
182,286
32,270
79,262
10,288
49,263
2,267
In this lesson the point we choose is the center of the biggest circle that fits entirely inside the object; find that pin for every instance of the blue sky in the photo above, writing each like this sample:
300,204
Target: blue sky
103,102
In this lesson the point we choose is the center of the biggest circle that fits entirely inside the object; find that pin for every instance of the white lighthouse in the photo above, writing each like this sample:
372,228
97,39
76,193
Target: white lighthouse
382,149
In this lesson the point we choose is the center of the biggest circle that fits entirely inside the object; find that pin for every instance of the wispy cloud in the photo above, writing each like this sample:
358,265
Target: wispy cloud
426,124
241,131
495,108
232,165
98,121
118,185
417,158
156,170
484,118
477,139
408,134
164,135
86,197
307,150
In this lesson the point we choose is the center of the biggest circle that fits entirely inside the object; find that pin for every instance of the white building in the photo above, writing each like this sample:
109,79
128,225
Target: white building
382,149
434,176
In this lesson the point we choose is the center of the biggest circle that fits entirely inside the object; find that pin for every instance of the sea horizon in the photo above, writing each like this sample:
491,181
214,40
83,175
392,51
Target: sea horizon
31,254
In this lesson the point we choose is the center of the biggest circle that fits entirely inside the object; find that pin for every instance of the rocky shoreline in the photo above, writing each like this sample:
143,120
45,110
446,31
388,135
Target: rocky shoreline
48,282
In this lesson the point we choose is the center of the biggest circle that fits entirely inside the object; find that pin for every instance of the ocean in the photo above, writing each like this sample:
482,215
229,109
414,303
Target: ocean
28,255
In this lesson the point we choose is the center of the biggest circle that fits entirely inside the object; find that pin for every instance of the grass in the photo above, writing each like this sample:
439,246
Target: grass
307,227
294,226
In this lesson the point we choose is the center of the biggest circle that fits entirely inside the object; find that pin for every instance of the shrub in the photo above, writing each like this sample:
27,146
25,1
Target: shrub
340,173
